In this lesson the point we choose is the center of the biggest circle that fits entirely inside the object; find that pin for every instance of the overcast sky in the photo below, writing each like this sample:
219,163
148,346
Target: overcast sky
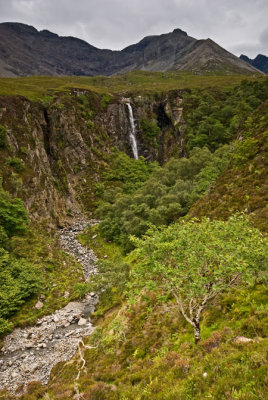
240,26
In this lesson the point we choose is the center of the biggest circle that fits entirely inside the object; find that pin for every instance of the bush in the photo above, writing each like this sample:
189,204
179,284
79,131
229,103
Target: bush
16,163
13,216
212,118
150,132
3,136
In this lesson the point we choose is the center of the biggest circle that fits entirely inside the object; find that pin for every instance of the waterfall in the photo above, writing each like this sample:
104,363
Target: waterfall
132,132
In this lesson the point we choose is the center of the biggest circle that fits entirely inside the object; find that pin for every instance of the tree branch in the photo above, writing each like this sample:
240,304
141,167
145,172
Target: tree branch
179,302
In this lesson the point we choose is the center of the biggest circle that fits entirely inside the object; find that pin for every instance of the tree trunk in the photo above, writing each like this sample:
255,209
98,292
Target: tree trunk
197,335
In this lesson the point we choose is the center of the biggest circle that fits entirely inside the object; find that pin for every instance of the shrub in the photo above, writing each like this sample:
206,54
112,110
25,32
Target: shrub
3,136
150,131
16,163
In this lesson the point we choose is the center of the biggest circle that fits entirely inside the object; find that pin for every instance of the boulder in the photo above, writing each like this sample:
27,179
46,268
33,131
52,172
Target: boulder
82,321
39,305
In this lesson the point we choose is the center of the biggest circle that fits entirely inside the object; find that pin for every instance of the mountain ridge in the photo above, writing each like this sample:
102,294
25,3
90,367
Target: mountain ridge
260,62
25,51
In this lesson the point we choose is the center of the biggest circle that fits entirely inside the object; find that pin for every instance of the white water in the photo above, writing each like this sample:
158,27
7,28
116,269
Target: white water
132,132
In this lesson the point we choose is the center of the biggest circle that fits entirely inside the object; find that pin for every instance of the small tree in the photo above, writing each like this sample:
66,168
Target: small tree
196,261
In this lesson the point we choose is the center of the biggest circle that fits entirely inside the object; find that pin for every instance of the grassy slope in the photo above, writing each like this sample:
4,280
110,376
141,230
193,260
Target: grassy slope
37,87
243,186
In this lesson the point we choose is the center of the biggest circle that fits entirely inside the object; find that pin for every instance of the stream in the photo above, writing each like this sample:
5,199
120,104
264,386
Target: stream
30,353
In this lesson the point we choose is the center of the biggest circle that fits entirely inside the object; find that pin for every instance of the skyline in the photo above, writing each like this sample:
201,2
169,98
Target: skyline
240,26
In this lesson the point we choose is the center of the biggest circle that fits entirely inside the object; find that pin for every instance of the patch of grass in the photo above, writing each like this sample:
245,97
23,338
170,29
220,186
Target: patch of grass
37,87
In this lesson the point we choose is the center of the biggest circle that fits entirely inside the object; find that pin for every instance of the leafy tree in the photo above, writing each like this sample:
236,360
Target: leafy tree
213,117
150,131
123,175
164,197
197,261
13,216
18,280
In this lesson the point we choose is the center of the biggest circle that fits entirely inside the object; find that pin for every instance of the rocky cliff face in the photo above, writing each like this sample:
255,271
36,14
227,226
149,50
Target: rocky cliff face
55,150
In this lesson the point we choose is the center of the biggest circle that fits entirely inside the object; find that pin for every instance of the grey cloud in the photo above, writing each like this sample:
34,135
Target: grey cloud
237,25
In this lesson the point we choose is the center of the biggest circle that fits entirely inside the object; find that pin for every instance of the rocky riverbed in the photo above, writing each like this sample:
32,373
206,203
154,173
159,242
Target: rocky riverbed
29,354
71,245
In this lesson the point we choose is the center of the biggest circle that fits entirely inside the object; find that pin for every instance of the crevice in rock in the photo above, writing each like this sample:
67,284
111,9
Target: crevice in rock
164,123
47,135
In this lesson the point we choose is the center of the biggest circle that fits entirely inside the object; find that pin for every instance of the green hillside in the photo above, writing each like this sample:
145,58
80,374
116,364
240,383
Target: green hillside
38,87
182,243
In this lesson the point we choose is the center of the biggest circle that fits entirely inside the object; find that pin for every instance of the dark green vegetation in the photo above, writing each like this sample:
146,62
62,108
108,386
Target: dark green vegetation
213,117
18,278
145,349
165,196
243,186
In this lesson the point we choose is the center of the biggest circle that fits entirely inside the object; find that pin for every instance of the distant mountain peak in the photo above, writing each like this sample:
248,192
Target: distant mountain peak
260,62
180,31
26,51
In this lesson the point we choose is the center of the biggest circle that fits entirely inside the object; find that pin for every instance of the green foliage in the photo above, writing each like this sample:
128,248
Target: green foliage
196,261
165,196
5,326
82,98
3,136
18,281
47,100
13,216
16,163
214,117
113,271
244,183
122,175
150,131
105,100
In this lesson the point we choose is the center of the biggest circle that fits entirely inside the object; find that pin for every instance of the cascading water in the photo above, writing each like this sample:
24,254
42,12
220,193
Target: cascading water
132,132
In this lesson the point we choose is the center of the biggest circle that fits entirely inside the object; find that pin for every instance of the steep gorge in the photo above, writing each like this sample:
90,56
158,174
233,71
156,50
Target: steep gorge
56,147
